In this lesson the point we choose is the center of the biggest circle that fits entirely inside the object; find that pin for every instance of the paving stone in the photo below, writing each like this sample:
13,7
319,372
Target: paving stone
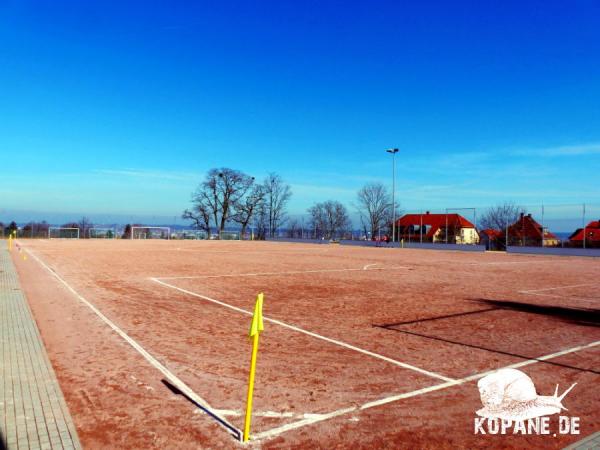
31,401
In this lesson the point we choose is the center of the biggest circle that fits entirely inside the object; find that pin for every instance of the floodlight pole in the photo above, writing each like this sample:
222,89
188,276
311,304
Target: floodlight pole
393,151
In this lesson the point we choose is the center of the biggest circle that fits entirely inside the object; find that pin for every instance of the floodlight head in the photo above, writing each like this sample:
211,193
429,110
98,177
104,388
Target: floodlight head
392,150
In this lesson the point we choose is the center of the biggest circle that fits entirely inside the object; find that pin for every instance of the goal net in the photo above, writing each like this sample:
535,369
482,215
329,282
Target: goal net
63,233
101,233
229,235
150,233
189,234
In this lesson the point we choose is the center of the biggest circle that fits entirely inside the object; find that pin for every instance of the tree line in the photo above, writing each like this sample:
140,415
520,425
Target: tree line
41,228
229,196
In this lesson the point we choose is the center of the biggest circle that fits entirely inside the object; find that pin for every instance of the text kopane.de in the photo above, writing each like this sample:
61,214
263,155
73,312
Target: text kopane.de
538,425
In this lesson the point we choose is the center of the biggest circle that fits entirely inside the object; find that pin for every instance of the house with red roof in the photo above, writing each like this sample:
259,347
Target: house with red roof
527,232
436,228
591,233
492,239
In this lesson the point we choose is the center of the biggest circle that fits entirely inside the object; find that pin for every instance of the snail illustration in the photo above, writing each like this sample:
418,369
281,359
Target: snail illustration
510,394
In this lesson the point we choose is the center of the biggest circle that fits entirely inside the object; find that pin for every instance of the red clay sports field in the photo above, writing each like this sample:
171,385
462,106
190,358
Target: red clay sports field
362,347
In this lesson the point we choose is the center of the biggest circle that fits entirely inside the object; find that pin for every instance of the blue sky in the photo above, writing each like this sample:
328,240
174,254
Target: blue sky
119,108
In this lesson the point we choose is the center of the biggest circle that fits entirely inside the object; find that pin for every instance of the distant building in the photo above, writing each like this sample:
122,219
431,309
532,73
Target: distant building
436,228
492,239
592,235
526,231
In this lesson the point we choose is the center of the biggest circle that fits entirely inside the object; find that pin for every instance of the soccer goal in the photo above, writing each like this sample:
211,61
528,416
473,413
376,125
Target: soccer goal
229,235
101,233
150,233
63,233
189,234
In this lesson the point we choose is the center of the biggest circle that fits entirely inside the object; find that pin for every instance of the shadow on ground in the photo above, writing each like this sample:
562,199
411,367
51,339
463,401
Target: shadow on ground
575,316
175,390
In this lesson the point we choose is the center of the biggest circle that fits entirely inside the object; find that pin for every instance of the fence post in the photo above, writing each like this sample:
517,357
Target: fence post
446,233
506,236
542,225
583,220
476,240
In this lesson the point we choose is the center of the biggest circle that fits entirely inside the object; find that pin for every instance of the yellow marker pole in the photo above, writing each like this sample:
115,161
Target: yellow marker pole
10,242
255,328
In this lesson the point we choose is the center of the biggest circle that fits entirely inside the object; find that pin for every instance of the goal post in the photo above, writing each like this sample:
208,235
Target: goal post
102,233
150,233
63,233
189,234
229,235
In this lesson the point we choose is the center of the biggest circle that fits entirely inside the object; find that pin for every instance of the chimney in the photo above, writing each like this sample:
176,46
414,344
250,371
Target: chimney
529,215
426,212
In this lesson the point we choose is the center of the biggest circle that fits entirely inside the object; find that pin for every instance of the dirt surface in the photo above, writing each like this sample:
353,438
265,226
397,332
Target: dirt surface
384,322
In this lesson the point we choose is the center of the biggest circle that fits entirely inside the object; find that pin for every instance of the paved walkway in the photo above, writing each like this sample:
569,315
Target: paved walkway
33,412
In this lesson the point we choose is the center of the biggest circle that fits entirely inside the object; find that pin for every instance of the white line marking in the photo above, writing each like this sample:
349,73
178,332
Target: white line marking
263,274
301,423
564,297
542,292
511,262
531,291
309,421
309,333
275,414
153,361
262,252
368,265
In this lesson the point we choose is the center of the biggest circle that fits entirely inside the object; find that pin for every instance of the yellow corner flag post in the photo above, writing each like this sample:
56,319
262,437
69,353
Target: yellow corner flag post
255,328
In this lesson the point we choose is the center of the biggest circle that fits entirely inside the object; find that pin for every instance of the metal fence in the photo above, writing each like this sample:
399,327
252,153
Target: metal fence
550,226
562,226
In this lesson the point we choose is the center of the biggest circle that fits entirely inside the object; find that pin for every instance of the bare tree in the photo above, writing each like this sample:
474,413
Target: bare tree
329,218
12,227
232,186
127,232
199,215
261,221
245,207
374,205
217,195
294,229
36,229
277,194
84,225
500,216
